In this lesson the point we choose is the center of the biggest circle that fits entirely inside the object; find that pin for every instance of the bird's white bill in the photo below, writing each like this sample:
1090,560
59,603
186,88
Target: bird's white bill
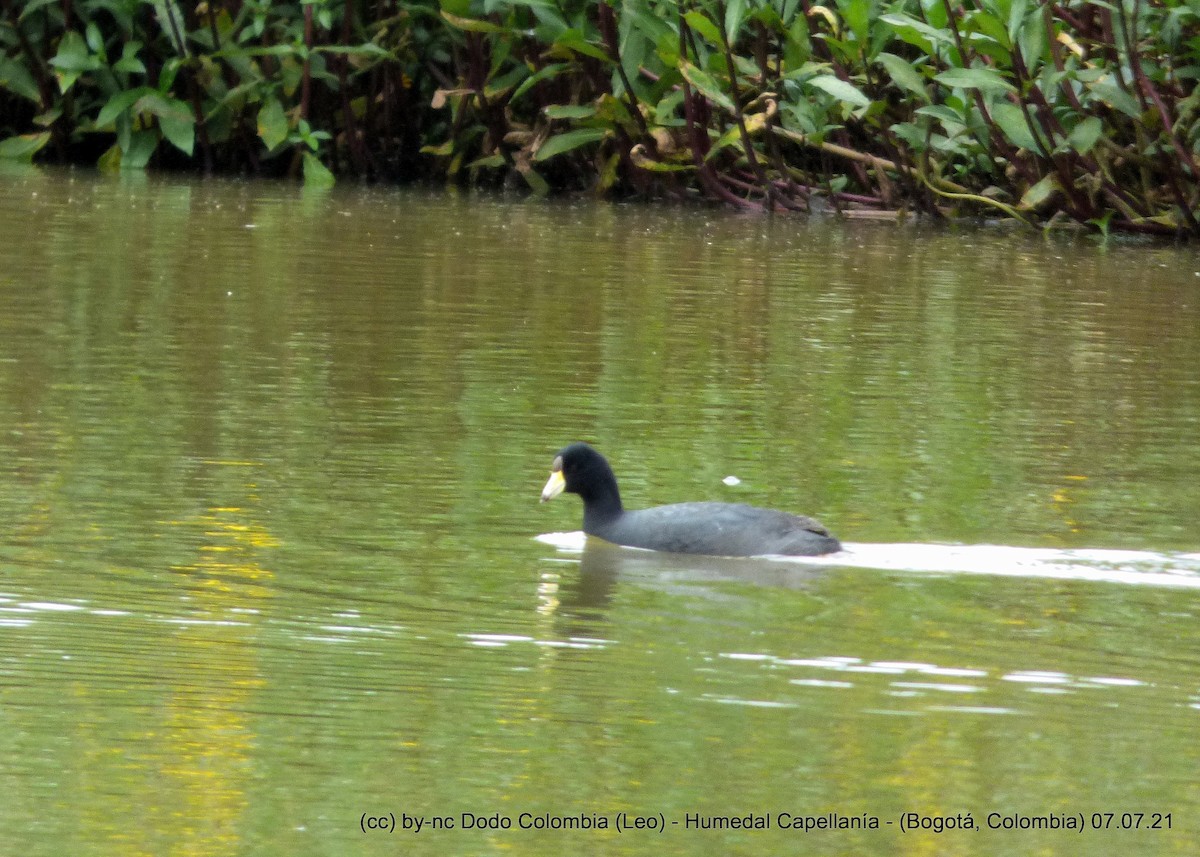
554,486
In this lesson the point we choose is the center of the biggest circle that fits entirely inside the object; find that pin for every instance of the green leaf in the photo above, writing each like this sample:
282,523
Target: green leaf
797,48
73,55
574,41
316,174
609,172
15,77
72,60
535,6
1011,120
166,75
487,162
944,114
788,12
803,117
272,123
570,111
23,148
471,25
165,107
840,89
33,5
110,161
952,123
95,41
281,51
706,84
857,14
903,74
911,134
129,65
534,179
48,117
918,33
639,23
123,125
731,137
666,112
66,79
568,141
181,132
171,19
703,25
118,104
550,20
444,150
1040,192
1016,17
1108,91
991,27
500,83
1084,135
129,62
984,79
141,146
667,50
369,50
537,77
735,16
612,111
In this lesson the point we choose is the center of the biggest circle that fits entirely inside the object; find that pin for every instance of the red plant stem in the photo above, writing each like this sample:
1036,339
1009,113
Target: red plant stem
698,137
607,24
1056,54
747,145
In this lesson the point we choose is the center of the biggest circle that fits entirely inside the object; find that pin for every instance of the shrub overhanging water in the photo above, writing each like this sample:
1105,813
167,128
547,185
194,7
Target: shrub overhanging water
1082,112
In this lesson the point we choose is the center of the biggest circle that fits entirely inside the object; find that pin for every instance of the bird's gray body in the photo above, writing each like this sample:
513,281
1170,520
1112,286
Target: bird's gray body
716,529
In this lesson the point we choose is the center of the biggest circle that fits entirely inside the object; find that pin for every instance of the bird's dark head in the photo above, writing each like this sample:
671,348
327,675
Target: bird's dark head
579,469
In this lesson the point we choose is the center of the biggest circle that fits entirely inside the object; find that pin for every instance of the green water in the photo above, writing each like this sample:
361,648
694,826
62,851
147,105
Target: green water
269,472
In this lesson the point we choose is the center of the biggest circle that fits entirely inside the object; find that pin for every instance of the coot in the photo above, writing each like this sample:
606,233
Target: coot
715,529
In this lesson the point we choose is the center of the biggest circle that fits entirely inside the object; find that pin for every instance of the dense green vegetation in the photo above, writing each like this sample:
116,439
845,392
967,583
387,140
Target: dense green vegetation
1083,112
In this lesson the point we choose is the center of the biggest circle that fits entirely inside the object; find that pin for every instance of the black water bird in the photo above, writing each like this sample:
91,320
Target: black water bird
715,529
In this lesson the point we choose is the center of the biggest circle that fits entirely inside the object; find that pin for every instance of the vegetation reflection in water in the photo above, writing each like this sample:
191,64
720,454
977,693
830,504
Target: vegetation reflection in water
269,467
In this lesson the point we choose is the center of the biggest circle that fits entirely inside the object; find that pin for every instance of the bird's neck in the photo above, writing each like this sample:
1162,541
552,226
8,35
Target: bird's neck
600,507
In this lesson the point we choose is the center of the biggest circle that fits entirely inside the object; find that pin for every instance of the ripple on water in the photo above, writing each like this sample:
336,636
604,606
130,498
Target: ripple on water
1134,568
919,681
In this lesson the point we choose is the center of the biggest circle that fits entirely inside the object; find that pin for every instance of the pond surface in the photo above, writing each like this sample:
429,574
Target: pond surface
273,566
